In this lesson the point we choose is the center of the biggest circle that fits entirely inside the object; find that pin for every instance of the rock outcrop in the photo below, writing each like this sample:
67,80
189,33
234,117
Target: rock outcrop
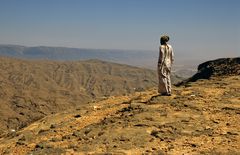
218,67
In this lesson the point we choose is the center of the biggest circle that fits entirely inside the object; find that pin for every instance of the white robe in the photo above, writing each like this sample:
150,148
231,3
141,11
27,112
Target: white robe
164,68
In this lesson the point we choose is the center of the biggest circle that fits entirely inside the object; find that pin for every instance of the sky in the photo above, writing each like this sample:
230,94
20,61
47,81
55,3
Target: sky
197,28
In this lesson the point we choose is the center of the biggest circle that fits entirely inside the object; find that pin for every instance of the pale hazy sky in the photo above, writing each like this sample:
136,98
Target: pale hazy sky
200,28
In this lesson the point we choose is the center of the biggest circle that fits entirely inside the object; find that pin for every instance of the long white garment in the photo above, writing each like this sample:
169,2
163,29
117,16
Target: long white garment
164,68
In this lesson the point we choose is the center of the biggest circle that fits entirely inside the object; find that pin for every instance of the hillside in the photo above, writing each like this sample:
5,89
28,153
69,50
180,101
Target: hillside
30,90
199,118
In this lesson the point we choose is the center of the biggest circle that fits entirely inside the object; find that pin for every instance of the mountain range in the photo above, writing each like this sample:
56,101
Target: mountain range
32,89
183,66
63,53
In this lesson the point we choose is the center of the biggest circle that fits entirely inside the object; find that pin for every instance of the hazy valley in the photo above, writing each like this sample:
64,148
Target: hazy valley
183,65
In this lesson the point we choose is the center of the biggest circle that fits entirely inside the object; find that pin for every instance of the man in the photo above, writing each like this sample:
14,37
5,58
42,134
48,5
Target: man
165,62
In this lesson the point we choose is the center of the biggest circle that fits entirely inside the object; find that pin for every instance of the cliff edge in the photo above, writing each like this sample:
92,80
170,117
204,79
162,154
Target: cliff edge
213,68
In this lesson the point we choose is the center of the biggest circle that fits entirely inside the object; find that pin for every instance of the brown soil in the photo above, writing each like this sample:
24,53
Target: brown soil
30,90
199,118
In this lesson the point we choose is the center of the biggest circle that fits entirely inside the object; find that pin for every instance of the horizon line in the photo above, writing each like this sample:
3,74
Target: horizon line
87,48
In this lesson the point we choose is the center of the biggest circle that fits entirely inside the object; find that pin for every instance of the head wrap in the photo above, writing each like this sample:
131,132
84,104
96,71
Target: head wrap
164,38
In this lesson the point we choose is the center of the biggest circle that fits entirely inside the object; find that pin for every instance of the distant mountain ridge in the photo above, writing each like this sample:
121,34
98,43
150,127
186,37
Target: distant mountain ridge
140,58
130,57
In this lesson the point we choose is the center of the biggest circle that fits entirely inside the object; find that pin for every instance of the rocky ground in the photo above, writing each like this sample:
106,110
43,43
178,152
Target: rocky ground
199,118
33,89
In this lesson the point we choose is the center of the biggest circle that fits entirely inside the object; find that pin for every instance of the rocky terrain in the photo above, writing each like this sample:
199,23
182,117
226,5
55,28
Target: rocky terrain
30,90
201,117
219,67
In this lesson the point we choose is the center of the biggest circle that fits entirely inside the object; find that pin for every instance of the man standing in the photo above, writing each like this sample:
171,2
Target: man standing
165,62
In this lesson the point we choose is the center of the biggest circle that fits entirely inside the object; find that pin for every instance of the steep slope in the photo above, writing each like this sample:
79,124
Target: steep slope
202,118
30,90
